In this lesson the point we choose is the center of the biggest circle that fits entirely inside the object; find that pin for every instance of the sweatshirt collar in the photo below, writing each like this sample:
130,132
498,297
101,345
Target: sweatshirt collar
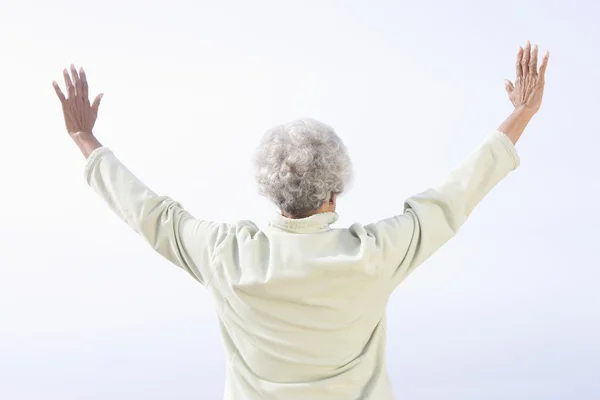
315,223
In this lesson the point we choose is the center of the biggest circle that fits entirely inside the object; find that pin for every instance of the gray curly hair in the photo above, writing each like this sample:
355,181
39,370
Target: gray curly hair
298,165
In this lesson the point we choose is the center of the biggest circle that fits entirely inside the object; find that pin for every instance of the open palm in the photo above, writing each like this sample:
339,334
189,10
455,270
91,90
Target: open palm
80,115
528,89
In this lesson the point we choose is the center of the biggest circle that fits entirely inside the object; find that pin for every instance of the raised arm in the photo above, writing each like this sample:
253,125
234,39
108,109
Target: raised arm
431,218
171,231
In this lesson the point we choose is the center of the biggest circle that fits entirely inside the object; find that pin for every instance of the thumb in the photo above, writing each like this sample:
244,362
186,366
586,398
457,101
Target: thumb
96,103
508,85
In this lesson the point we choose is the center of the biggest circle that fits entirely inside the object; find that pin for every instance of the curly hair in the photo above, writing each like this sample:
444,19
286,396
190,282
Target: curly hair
298,165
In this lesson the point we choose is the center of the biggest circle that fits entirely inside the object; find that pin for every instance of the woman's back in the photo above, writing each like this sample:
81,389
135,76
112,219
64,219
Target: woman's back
303,313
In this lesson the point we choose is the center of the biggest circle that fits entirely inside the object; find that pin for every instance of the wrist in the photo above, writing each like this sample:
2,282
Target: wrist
86,141
524,112
516,123
78,136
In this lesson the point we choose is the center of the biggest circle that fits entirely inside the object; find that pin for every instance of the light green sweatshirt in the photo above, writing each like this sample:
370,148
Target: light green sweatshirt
301,305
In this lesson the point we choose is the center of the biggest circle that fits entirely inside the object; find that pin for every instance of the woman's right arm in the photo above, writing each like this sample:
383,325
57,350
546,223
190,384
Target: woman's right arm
433,217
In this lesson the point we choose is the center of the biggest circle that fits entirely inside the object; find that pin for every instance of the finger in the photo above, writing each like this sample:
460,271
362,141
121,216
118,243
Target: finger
59,92
519,58
526,57
69,84
508,85
84,83
96,103
76,81
544,65
533,61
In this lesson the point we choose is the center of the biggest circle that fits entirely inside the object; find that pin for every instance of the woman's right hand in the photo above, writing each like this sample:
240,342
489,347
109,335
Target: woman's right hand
528,89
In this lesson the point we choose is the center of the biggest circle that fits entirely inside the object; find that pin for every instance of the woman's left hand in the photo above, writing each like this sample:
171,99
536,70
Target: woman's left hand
80,116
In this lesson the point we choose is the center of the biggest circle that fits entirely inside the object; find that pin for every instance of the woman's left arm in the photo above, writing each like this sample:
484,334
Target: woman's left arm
187,242
170,230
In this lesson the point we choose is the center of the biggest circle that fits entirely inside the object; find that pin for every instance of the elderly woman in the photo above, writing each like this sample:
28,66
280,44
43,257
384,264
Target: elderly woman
301,305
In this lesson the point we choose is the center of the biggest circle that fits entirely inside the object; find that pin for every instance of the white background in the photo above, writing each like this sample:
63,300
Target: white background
509,309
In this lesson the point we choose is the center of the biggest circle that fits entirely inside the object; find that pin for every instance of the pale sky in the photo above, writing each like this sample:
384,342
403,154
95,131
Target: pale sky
509,309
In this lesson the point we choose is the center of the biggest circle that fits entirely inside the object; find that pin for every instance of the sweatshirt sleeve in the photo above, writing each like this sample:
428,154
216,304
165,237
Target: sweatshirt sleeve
171,231
433,217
